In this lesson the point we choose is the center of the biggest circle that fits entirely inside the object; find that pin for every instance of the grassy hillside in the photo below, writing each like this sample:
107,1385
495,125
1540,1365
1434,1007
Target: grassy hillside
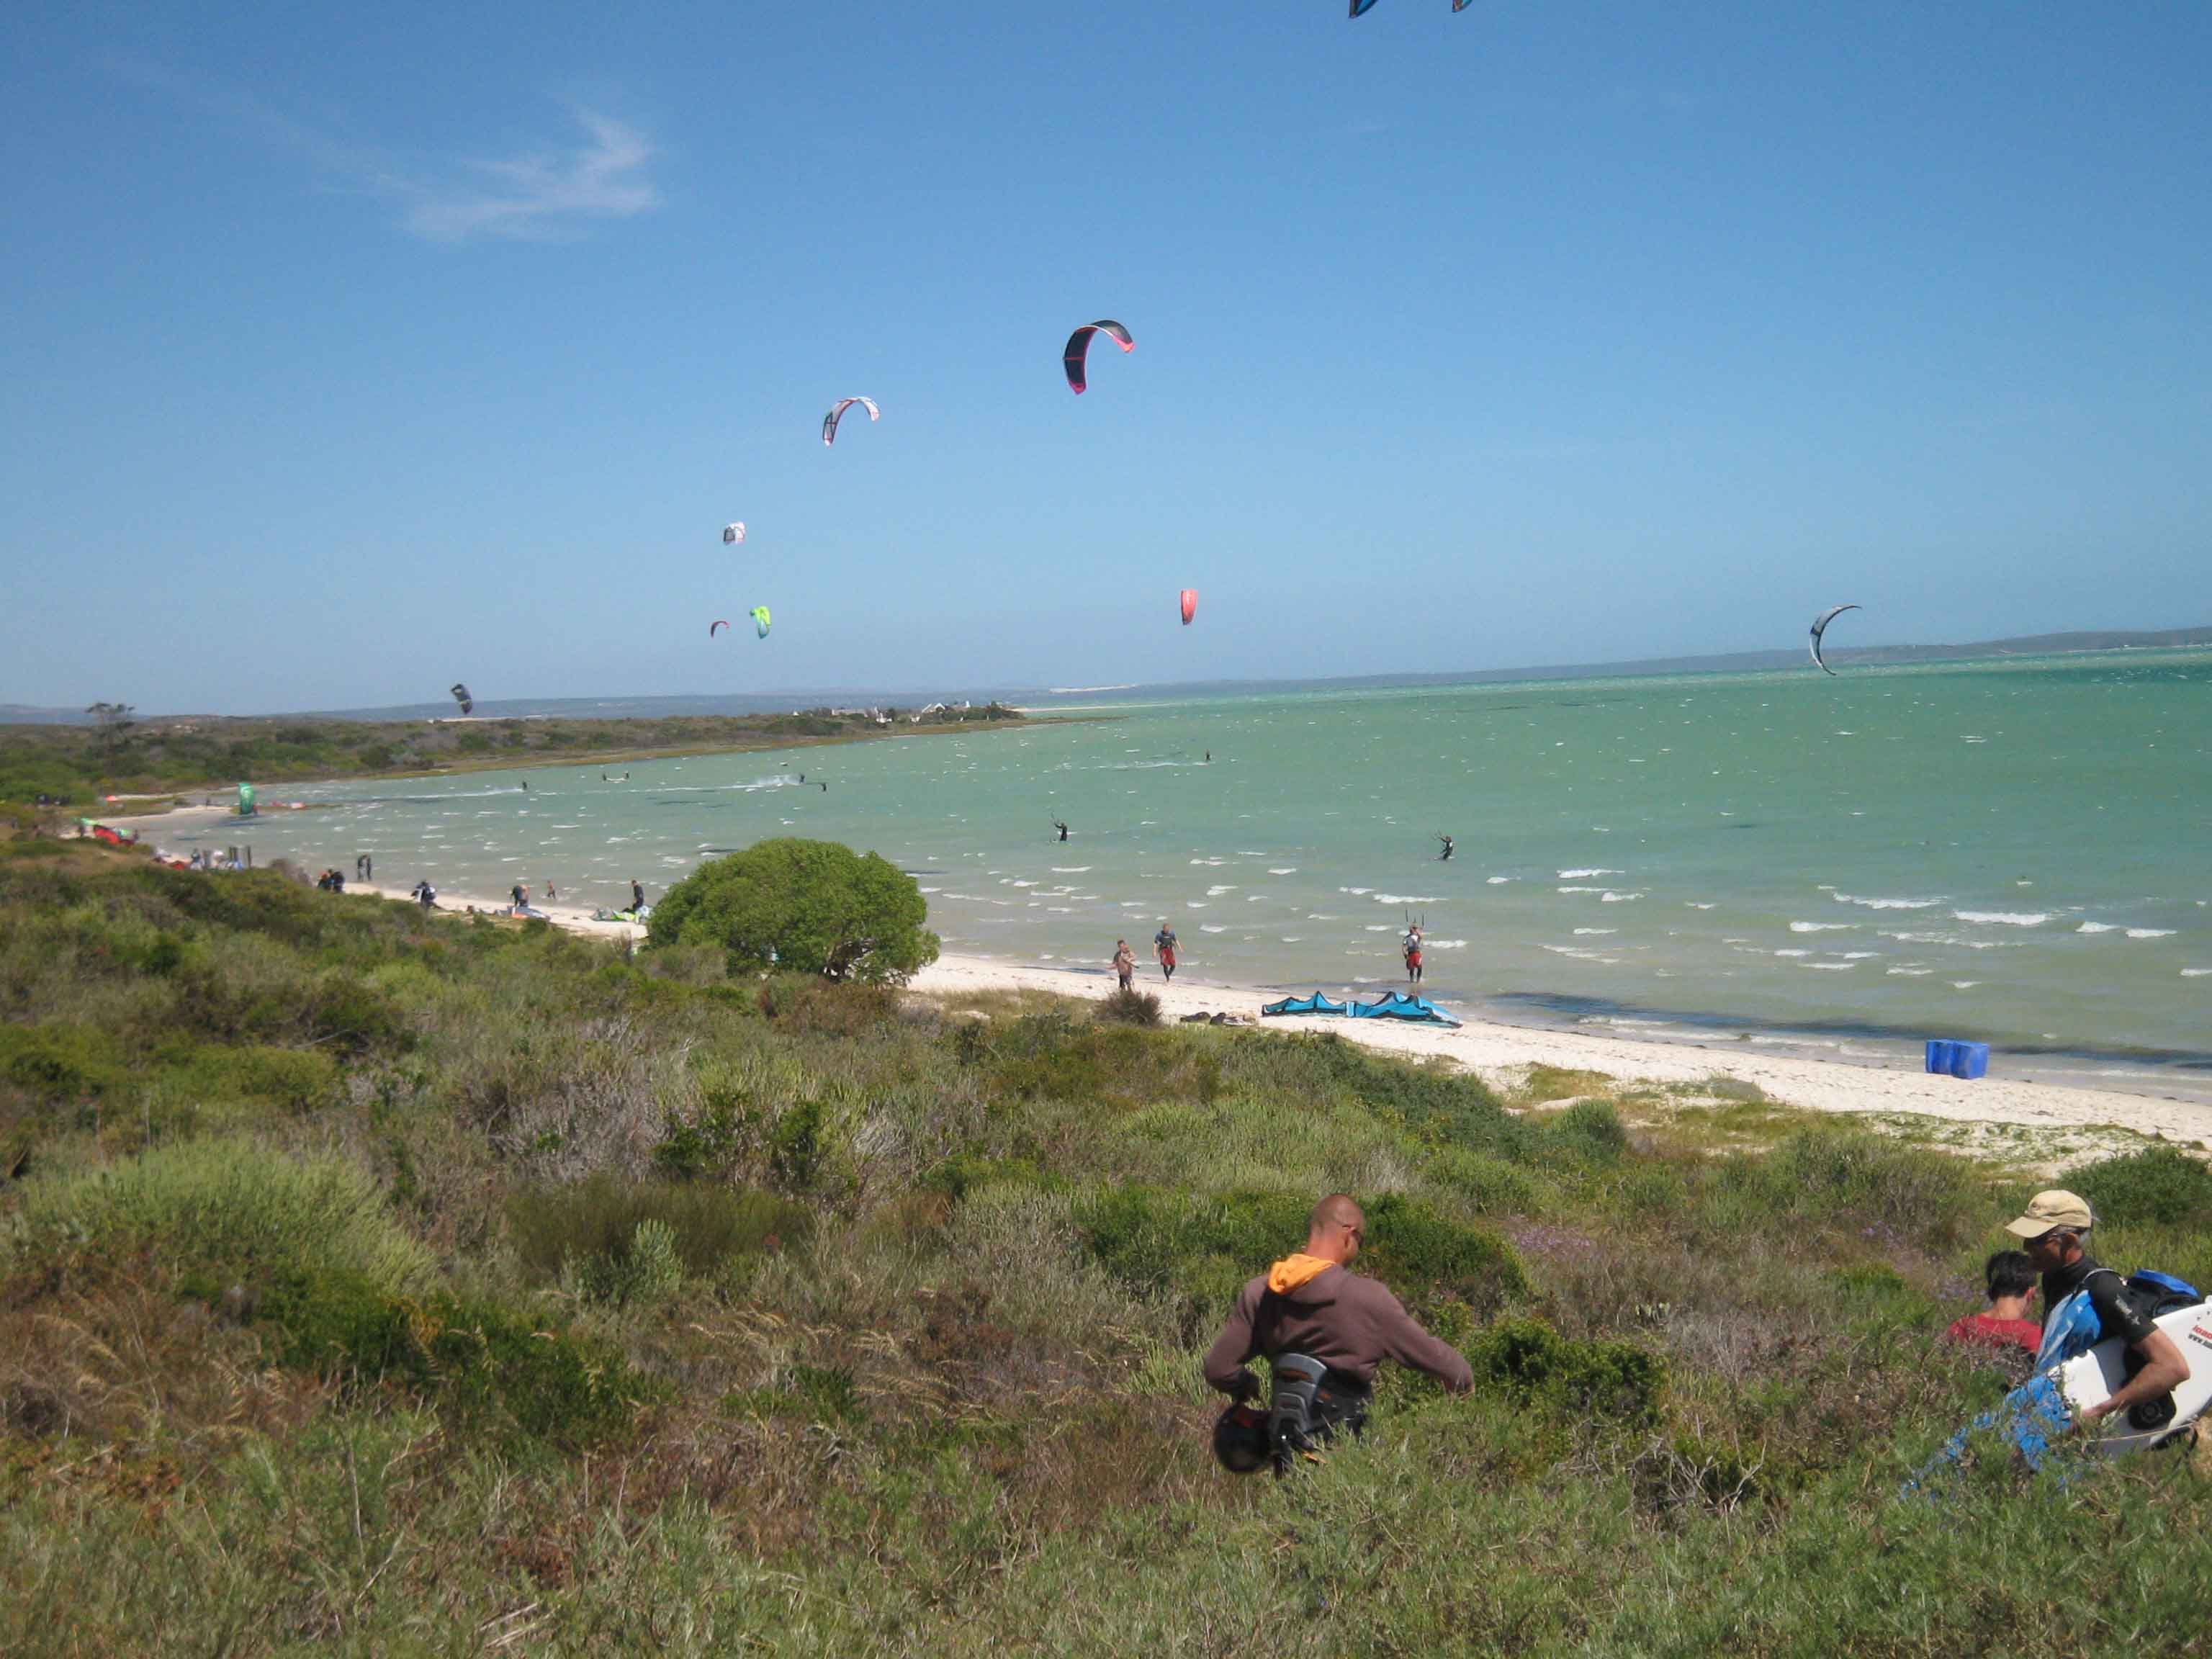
394,1283
78,764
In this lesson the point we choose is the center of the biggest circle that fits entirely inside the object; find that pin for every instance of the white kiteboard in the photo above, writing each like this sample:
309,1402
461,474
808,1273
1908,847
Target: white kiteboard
2094,1377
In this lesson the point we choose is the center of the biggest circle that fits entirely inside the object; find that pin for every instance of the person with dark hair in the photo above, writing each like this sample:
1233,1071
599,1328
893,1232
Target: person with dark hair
1323,1330
2084,1304
2009,1277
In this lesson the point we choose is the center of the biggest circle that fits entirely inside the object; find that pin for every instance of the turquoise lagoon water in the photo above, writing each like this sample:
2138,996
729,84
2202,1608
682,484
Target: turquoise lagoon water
2013,851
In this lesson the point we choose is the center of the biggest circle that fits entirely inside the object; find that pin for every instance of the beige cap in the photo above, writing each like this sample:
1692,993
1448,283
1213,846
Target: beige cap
2056,1208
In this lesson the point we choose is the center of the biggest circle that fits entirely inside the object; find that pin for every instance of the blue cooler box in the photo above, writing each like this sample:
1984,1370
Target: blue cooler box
1966,1059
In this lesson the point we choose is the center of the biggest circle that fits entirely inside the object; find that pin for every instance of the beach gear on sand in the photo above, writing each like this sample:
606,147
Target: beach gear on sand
1391,1004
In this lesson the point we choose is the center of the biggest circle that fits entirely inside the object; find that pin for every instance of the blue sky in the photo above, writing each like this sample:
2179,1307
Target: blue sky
348,354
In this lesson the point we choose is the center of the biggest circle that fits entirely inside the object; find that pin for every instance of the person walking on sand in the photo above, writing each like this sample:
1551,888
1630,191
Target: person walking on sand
1164,947
1124,962
551,895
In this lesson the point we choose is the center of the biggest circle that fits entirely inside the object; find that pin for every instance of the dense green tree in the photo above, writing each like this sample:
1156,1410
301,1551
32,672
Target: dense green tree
811,905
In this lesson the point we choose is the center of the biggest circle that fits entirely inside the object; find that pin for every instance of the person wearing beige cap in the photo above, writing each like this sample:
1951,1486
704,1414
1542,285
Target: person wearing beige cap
2076,1288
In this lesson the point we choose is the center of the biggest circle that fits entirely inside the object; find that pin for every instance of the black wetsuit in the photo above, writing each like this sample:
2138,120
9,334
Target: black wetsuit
2116,1316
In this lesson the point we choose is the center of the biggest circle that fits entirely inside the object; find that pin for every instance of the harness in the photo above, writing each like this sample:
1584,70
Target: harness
1308,1404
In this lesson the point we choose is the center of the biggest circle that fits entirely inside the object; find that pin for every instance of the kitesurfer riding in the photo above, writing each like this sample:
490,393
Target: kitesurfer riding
1323,1330
2093,1302
1444,857
1062,828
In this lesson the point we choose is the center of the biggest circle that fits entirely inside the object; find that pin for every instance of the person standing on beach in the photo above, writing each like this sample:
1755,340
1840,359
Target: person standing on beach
519,894
1413,953
550,894
636,895
1124,962
1164,947
368,866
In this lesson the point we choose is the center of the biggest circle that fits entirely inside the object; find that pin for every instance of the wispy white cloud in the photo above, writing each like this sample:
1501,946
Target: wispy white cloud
543,195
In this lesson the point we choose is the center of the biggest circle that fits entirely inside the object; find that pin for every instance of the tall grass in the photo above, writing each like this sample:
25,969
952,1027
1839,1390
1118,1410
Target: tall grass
379,1283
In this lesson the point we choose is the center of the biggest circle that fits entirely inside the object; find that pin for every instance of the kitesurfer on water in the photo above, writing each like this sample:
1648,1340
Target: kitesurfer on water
1444,857
1323,1330
1062,828
2051,1231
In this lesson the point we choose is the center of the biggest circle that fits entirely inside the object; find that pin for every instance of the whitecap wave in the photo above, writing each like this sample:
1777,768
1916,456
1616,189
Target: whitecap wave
1822,926
1885,903
2003,918
1585,875
2098,927
1405,898
2150,933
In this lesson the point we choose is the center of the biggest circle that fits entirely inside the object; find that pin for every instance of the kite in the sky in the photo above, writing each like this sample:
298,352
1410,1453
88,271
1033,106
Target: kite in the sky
713,626
1189,604
837,413
760,621
1078,345
1361,7
1820,626
732,532
461,697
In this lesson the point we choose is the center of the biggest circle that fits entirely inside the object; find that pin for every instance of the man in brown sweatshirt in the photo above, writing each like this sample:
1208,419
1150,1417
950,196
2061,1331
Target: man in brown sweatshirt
1310,1304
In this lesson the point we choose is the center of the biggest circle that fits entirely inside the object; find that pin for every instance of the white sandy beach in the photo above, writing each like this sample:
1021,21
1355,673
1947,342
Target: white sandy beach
1491,1049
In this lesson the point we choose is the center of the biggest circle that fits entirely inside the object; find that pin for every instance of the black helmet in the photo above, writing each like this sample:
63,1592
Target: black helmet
1240,1442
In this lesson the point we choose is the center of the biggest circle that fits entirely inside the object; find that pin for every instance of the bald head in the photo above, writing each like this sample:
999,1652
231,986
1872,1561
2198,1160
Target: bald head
1336,1229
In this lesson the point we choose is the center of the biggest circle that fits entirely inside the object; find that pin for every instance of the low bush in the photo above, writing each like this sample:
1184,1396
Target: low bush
598,1219
1533,1364
1590,1131
60,1063
2160,1184
224,1216
1850,1177
1128,1005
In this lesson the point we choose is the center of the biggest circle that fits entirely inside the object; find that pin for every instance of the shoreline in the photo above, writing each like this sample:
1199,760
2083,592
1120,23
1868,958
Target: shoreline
1489,1047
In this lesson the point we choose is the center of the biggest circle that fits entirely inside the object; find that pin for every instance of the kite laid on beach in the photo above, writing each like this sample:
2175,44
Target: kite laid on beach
1820,626
732,532
461,697
837,413
1189,604
712,626
1079,349
760,621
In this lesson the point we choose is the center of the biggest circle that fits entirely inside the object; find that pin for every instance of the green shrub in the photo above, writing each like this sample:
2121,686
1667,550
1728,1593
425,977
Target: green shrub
60,1062
224,1213
1851,1178
1590,1130
648,1271
1128,1006
1444,1106
599,1217
2159,1184
812,907
1048,1058
1533,1364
